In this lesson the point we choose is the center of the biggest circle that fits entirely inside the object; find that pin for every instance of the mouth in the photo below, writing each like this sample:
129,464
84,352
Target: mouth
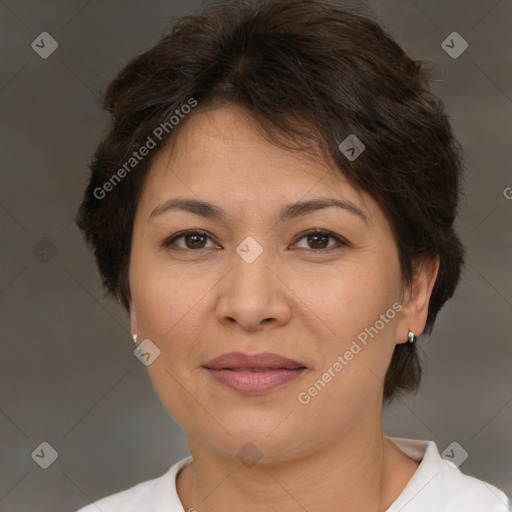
256,369
253,374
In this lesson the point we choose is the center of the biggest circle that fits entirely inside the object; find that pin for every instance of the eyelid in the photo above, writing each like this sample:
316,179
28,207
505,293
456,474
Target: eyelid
170,240
339,239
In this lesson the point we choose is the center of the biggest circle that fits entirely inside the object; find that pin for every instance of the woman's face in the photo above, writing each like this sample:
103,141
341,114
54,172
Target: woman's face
311,298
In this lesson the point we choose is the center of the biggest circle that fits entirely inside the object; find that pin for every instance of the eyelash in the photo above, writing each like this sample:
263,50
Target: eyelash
169,241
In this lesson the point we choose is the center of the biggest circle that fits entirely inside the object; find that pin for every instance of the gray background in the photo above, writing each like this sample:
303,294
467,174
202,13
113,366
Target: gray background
68,373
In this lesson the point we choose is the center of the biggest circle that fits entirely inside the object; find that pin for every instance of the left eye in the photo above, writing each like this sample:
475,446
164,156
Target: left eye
195,240
318,238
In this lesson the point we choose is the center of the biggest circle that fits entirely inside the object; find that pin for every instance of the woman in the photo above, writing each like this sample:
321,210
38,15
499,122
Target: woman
274,205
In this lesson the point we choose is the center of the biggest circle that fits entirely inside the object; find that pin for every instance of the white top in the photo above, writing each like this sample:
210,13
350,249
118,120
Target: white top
435,486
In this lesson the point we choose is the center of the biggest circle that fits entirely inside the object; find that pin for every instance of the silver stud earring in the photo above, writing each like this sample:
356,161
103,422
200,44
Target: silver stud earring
411,337
134,336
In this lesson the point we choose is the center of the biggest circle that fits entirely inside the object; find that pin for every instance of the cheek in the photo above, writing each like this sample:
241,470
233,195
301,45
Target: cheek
349,299
167,298
169,312
358,307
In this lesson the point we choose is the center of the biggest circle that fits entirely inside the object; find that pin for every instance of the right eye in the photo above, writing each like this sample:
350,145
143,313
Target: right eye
194,239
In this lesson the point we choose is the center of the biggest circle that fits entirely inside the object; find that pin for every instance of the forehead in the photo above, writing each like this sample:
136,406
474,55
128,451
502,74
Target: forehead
222,155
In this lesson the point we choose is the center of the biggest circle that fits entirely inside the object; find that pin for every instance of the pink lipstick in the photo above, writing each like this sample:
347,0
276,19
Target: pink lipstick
253,374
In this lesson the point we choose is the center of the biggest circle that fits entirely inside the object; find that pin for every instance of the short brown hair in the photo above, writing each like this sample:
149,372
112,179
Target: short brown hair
309,71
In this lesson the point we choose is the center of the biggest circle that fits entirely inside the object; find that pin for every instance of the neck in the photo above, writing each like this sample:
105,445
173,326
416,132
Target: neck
360,471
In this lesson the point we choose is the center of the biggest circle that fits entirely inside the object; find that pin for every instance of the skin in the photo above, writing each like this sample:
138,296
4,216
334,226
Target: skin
198,299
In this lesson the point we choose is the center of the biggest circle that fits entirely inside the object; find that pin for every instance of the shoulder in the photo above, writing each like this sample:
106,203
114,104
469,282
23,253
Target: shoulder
158,494
438,484
135,498
465,492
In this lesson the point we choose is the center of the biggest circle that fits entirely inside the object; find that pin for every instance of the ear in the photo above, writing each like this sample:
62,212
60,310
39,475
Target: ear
413,315
133,315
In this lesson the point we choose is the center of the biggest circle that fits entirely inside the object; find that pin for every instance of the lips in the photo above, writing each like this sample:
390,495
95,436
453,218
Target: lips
253,374
238,361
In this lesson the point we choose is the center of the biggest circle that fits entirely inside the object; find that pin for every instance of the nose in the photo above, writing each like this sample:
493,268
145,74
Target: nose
253,295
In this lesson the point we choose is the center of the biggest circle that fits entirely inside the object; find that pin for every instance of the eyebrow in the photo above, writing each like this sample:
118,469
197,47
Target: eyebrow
290,211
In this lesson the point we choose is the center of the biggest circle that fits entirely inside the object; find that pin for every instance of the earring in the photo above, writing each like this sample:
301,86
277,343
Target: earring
411,337
134,336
